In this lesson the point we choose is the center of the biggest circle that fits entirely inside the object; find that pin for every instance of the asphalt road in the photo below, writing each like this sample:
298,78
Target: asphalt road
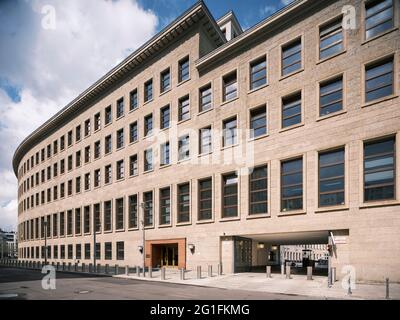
27,284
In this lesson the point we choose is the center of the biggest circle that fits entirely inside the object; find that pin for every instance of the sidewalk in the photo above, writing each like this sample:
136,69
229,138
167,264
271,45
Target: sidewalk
297,285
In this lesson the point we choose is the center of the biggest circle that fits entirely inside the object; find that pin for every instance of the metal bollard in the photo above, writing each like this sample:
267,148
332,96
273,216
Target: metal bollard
287,272
219,271
162,273
210,271
106,268
268,271
150,272
137,268
182,274
116,270
387,289
127,270
198,272
144,271
309,273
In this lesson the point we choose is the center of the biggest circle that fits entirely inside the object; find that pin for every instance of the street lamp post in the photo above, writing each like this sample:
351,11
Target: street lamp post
45,242
143,206
94,242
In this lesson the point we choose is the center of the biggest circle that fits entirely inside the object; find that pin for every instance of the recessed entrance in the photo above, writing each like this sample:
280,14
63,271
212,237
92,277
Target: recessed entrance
166,253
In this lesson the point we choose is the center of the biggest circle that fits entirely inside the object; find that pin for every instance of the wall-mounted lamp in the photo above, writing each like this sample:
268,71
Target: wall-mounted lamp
274,248
191,247
260,245
140,249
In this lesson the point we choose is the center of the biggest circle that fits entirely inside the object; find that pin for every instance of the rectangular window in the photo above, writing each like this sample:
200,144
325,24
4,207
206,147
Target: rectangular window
86,219
55,251
69,187
55,225
148,208
49,151
230,195
230,132
69,163
205,97
62,190
97,149
165,80
331,178
165,206
378,17
69,222
69,138
87,154
205,199
108,144
87,127
133,211
62,252
107,115
184,108
120,138
258,73
205,143
70,252
98,251
107,174
62,147
77,221
230,86
292,185
258,188
331,96
258,122
291,57
183,70
133,132
120,108
164,117
78,184
379,80
78,252
107,216
148,160
133,165
331,38
55,149
148,90
97,121
291,110
87,251
78,133
107,250
133,100
97,178
120,250
148,125
165,154
379,169
183,147
87,181
62,224
119,214
97,216
78,159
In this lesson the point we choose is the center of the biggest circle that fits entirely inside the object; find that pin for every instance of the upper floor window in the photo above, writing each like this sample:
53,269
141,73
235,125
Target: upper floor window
107,174
133,211
291,110
183,202
148,125
119,214
331,178
87,127
87,181
107,215
258,185
184,108
291,57
331,96
78,133
379,169
107,115
133,132
62,147
49,151
292,184
120,169
164,117
108,144
258,73
205,199
258,122
133,100
120,108
133,165
229,195
184,66
230,86
97,149
379,79
378,17
148,160
331,38
205,97
165,80
165,206
97,121
55,148
184,147
120,138
165,154
87,154
148,90
205,141
230,132
148,208
97,178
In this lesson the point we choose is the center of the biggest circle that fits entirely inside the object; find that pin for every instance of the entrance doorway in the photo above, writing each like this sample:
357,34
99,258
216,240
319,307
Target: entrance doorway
169,255
166,253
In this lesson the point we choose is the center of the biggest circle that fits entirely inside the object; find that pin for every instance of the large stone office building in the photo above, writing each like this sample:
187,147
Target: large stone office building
225,144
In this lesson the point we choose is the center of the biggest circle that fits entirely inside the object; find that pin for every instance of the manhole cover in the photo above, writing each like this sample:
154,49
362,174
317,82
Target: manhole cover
8,295
82,291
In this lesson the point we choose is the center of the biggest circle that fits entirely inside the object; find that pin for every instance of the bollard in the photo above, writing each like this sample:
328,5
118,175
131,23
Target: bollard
387,289
137,268
116,270
198,272
76,267
333,275
162,273
287,272
282,269
144,271
182,274
219,271
106,268
210,271
309,273
150,272
268,270
127,270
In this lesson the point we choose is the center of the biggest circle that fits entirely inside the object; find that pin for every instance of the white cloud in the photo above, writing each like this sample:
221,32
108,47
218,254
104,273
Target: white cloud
286,2
267,10
53,66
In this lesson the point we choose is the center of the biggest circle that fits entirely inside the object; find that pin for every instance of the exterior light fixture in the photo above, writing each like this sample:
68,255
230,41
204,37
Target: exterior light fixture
140,249
274,248
260,245
191,247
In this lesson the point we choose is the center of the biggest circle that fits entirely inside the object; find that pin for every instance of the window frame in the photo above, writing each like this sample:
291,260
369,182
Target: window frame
224,84
252,63
223,196
281,47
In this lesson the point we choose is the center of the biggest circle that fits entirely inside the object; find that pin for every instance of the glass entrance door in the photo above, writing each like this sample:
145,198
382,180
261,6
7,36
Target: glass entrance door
169,255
